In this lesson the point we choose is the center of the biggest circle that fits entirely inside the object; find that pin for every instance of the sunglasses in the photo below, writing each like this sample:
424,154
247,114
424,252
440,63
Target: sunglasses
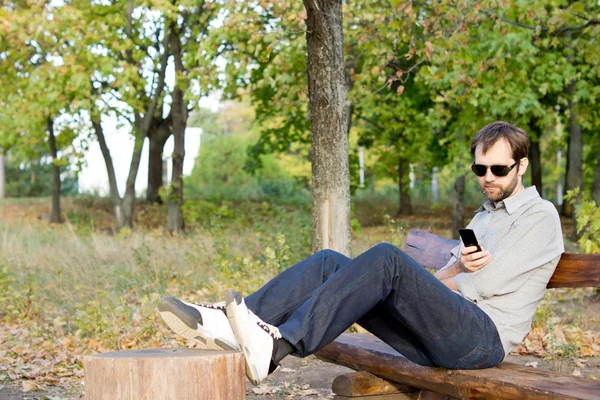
497,170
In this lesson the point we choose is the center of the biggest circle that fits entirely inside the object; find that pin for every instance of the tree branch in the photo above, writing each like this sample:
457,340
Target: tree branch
159,87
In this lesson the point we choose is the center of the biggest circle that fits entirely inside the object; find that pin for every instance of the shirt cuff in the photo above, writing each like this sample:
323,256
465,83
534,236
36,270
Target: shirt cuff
453,258
466,288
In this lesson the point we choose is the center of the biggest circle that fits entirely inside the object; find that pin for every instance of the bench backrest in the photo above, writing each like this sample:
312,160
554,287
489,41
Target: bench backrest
573,270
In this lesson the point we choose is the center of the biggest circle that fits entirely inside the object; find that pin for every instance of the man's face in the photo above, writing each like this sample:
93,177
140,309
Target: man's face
497,188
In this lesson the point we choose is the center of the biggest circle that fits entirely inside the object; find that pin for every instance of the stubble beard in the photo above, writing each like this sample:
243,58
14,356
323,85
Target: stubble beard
504,192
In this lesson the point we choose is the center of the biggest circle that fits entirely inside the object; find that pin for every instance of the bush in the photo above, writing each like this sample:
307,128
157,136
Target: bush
219,174
588,221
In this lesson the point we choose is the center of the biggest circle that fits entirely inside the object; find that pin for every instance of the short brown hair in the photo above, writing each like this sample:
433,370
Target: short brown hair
491,133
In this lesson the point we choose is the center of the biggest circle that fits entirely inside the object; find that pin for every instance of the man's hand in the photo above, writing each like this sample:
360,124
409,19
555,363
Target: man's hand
471,262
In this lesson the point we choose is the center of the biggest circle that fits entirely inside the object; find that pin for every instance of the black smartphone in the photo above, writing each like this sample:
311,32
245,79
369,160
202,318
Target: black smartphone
468,238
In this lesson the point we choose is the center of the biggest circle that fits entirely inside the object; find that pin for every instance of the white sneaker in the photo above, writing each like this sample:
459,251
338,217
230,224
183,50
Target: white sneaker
254,336
205,324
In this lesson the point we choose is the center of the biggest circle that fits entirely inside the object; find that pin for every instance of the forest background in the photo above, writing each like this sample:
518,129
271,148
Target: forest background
81,273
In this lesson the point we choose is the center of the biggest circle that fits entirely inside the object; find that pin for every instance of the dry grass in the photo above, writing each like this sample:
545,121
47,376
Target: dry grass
73,289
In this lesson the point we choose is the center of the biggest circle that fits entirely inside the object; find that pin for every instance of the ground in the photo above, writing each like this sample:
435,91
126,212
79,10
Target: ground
304,379
48,323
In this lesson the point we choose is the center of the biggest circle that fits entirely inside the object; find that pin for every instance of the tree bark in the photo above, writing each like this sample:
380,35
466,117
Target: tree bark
349,79
134,166
55,213
158,135
458,200
535,157
574,175
329,119
115,197
403,188
2,178
179,114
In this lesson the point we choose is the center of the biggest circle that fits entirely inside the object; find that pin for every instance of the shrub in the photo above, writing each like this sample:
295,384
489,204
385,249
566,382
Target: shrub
588,221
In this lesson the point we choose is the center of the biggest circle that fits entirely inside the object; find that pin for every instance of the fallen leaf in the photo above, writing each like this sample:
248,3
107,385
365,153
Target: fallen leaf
262,389
580,362
533,364
68,341
576,372
560,335
28,386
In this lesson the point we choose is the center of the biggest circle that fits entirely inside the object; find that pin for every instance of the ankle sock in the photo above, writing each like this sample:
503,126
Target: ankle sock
281,348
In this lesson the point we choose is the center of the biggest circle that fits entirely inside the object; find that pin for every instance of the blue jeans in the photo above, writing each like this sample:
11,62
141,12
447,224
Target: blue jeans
386,292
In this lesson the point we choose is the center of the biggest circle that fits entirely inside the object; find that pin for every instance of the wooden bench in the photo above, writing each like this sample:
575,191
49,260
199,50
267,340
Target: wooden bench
403,379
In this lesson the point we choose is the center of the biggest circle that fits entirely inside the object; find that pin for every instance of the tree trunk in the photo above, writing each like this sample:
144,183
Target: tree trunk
2,178
174,374
175,196
458,200
574,175
349,79
535,157
596,183
179,113
134,166
55,214
115,197
158,135
404,189
328,101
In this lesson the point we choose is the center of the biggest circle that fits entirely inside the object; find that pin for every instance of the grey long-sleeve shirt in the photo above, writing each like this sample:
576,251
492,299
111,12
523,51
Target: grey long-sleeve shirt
524,236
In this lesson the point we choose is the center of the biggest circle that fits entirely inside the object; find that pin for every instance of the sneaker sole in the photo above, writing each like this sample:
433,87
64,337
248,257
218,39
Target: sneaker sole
234,299
182,321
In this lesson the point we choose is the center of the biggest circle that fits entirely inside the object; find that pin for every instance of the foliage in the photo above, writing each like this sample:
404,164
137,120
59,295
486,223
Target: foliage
588,221
35,179
219,174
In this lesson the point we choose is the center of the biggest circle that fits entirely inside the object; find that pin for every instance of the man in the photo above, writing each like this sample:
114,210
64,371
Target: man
470,315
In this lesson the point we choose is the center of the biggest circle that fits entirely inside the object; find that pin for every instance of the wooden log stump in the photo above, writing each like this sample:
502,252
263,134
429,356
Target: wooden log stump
174,374
358,385
362,385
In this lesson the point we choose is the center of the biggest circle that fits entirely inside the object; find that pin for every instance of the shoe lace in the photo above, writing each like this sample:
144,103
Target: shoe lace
270,329
214,306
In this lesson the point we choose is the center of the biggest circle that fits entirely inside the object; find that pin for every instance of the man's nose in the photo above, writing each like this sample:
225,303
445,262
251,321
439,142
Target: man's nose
489,177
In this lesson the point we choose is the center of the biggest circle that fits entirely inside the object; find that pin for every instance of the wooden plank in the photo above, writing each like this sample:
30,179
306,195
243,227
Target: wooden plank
577,270
362,383
573,270
507,381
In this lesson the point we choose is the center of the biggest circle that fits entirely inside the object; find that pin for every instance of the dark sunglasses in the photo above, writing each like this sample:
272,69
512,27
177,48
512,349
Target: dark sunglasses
497,170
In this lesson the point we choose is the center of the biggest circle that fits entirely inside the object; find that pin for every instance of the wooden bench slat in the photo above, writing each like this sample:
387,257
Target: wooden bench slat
364,352
577,270
573,270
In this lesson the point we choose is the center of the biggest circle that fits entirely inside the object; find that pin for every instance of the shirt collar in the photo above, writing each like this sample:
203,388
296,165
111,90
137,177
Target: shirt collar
512,203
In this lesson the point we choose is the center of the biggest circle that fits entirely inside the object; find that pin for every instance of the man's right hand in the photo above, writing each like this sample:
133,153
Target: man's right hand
471,262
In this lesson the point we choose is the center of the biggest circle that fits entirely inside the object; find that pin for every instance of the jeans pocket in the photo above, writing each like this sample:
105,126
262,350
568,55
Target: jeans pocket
480,358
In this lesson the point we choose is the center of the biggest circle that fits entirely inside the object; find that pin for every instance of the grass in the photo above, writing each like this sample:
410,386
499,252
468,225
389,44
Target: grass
74,289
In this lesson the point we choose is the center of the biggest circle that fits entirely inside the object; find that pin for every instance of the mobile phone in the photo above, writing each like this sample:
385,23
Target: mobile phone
468,238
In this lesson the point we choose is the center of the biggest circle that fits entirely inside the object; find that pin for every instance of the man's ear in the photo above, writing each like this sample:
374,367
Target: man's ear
523,164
